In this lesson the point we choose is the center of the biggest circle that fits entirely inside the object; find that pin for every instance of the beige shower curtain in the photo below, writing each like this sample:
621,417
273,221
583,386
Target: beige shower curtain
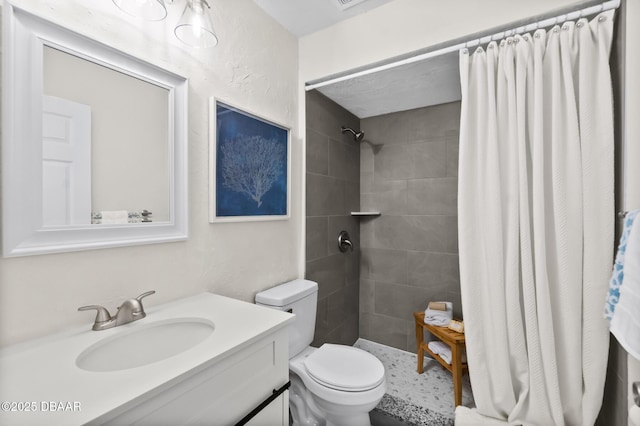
536,221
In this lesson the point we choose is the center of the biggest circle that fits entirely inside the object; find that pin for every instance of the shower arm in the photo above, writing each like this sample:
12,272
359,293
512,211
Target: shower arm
357,136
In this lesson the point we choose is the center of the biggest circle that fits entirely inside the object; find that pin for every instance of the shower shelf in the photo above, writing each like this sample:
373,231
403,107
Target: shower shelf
369,214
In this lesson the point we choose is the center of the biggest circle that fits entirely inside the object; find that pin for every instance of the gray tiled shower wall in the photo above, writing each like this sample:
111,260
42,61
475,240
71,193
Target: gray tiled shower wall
333,191
409,255
406,168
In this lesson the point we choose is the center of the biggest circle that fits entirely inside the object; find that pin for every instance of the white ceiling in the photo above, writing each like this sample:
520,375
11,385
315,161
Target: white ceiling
431,82
302,17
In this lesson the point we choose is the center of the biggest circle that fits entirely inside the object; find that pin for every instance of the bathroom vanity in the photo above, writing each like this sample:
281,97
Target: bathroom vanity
206,359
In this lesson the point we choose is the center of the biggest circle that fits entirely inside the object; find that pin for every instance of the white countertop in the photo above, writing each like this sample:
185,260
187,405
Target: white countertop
43,371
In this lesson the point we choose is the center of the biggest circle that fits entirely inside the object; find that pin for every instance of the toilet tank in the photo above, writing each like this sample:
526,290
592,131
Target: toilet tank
299,297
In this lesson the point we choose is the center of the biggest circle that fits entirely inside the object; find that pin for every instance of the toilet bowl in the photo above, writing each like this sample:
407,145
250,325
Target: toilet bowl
343,383
334,385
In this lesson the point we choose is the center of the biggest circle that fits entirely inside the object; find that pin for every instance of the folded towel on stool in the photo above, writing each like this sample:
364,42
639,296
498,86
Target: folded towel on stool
443,350
438,317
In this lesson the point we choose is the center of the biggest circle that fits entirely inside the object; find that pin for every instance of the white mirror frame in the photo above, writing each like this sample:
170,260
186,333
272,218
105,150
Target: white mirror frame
24,36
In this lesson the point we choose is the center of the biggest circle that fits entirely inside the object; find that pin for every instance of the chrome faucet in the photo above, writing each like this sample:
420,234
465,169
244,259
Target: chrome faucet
130,310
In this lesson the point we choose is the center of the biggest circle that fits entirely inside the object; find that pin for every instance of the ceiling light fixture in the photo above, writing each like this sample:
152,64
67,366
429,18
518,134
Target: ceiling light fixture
149,10
194,28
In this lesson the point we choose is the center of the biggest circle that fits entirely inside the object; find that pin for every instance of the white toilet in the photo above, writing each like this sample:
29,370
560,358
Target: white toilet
336,385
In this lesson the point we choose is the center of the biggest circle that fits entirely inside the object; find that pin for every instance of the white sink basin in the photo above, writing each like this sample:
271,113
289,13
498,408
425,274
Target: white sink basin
144,344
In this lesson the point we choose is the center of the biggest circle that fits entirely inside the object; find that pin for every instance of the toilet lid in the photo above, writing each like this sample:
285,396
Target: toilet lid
344,368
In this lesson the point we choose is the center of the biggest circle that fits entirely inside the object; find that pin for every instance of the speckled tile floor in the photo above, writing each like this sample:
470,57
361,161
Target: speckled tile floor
412,398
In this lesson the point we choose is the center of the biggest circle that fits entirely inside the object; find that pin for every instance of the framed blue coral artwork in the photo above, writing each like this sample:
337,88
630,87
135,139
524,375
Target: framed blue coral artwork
248,166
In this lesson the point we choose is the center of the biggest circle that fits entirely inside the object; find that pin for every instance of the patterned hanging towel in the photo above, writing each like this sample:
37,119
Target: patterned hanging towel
625,316
617,276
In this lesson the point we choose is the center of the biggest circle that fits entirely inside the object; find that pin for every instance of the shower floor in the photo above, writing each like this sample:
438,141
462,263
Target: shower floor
412,398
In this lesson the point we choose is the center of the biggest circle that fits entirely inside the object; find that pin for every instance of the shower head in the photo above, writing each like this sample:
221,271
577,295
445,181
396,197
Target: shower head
357,136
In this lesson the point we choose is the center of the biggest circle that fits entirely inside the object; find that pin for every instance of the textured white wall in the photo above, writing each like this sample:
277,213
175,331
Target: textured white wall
254,66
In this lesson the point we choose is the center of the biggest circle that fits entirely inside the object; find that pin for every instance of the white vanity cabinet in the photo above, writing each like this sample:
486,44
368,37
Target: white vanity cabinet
223,393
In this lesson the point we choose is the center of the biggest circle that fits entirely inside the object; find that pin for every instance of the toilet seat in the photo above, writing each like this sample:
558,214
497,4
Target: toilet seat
344,368
334,396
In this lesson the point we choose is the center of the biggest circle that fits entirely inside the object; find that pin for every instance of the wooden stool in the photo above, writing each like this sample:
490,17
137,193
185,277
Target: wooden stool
455,341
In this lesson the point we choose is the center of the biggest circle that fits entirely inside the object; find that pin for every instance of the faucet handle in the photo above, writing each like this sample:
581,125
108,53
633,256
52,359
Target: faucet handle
139,299
102,315
143,295
344,241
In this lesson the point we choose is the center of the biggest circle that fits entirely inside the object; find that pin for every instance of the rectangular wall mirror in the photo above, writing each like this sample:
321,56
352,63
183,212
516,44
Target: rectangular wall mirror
94,145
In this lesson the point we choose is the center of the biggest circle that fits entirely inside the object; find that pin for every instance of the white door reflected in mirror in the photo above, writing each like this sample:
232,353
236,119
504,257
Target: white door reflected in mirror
66,162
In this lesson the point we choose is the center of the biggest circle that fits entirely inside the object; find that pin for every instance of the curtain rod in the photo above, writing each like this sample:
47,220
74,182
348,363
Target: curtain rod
608,5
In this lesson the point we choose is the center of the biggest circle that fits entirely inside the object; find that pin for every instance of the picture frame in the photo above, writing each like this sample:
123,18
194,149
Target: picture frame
249,166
